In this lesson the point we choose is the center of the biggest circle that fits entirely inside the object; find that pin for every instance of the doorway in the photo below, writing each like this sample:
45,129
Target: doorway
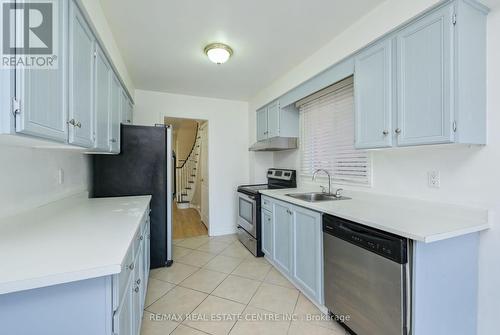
190,209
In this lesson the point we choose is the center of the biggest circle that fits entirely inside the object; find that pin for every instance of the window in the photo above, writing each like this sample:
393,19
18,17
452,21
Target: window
327,135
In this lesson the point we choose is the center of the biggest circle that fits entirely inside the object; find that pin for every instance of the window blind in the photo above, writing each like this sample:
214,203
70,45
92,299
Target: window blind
327,135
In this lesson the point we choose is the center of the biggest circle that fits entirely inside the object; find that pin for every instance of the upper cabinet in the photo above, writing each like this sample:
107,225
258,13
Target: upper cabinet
41,94
115,115
103,93
424,80
276,121
373,86
262,131
81,101
81,80
425,83
126,109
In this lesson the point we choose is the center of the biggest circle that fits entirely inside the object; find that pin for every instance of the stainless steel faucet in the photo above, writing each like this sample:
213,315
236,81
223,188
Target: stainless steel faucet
329,179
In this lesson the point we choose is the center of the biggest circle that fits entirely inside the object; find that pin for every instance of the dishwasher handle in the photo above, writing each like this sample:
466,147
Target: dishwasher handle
387,245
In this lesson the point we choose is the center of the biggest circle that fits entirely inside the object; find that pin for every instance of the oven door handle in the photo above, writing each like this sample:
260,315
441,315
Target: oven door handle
246,196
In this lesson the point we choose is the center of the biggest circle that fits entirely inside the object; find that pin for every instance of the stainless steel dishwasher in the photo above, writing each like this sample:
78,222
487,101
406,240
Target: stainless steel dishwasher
367,278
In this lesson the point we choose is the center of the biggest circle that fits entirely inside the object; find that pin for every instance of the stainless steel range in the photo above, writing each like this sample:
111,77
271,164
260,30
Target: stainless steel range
249,204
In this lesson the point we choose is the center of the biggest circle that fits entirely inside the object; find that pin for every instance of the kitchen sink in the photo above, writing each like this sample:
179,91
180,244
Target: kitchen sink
316,196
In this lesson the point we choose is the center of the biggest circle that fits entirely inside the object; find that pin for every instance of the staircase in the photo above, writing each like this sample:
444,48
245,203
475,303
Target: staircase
186,173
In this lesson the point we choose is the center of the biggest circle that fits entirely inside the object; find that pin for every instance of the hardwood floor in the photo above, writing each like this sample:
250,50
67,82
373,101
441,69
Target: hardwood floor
187,223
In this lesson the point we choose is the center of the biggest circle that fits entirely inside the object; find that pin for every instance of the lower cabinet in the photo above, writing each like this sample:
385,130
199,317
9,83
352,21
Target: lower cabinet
292,240
105,305
267,232
283,236
308,252
127,318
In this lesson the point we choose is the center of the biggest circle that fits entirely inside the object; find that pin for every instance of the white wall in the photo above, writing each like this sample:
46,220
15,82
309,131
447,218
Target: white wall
95,12
227,145
29,177
469,175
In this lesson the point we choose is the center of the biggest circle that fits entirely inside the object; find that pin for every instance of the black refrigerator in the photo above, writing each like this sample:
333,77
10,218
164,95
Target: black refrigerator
145,166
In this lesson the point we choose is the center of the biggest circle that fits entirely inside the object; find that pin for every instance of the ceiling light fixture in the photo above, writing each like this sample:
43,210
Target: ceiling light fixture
218,53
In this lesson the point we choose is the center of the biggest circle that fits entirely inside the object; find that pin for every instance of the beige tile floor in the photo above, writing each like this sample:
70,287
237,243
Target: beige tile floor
215,286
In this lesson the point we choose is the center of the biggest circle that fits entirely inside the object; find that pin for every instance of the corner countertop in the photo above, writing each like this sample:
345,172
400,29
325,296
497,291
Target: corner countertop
68,240
419,220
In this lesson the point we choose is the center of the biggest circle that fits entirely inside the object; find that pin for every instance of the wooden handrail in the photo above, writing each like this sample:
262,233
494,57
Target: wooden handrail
192,149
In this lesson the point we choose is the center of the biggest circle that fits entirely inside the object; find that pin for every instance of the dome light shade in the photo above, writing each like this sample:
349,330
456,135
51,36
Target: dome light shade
218,53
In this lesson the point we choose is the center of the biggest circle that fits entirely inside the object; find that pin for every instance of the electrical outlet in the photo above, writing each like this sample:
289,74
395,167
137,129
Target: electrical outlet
434,179
60,176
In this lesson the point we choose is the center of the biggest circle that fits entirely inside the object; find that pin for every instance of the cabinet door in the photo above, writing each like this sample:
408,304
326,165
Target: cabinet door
42,93
308,252
126,118
424,80
262,124
138,290
283,237
273,119
81,80
102,101
115,114
267,233
373,85
123,318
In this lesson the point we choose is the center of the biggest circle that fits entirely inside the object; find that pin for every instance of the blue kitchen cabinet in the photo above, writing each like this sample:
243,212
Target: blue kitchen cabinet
373,92
262,124
102,101
283,225
425,69
308,252
126,108
41,94
274,120
81,79
267,232
115,114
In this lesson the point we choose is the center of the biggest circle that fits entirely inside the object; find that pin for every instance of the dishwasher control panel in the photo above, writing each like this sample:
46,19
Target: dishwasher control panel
385,244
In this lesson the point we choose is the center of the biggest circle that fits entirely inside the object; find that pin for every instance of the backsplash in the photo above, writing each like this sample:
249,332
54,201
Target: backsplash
30,177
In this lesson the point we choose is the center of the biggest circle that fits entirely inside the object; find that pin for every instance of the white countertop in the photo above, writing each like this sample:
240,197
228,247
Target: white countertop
418,220
72,239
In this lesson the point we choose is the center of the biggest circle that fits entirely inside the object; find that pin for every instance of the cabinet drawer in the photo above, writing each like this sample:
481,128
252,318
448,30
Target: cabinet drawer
267,204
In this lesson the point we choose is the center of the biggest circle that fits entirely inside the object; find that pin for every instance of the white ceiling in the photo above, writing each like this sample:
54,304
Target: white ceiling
162,41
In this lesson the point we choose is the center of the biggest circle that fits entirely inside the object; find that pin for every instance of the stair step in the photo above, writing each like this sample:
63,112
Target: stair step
183,202
191,182
184,194
193,175
187,188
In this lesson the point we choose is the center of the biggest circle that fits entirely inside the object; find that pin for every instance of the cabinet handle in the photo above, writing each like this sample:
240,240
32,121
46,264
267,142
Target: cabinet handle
141,238
138,281
398,131
385,132
136,289
72,122
131,266
113,140
78,124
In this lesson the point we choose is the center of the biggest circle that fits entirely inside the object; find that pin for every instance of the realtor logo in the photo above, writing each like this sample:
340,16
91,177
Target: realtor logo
29,34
